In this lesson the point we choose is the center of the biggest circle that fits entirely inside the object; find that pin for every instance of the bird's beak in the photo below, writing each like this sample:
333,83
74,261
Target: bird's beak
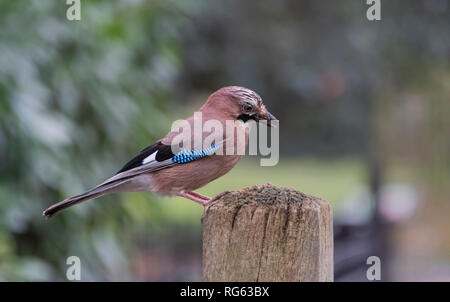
269,117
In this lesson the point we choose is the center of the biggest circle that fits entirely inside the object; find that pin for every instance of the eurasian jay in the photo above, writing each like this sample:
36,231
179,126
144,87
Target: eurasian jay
170,170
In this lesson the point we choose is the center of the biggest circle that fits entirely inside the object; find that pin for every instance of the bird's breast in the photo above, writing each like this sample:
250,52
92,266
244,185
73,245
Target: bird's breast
193,175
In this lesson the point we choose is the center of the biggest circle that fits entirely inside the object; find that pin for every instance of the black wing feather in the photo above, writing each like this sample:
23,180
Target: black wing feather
164,153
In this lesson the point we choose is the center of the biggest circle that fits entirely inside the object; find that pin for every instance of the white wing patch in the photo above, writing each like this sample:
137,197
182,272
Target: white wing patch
149,158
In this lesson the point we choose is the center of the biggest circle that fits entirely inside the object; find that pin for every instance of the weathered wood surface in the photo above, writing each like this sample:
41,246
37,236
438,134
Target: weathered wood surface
265,233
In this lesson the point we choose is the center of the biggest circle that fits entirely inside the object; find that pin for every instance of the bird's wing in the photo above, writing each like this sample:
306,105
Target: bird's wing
158,152
157,157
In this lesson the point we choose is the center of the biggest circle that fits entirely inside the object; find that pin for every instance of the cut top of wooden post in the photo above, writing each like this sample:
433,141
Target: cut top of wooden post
266,233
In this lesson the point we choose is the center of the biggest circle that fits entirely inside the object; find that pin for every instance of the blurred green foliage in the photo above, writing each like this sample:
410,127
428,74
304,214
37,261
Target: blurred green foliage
76,100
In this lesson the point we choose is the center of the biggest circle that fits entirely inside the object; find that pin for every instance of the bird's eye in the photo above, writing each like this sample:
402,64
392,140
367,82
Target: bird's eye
248,108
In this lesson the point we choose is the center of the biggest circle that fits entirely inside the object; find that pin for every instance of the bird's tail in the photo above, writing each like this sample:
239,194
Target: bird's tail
91,194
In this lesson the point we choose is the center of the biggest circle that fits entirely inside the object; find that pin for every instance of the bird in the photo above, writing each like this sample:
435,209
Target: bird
169,169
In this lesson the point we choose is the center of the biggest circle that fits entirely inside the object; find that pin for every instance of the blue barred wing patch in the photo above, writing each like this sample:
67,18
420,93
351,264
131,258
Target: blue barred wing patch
186,156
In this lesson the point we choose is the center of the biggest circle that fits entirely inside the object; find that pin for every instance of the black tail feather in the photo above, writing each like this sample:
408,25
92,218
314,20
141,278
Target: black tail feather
91,194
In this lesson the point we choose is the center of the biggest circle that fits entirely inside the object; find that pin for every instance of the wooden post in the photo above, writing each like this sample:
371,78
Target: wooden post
265,233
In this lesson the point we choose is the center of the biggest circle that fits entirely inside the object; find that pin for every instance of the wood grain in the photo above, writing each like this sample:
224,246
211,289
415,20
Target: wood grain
266,233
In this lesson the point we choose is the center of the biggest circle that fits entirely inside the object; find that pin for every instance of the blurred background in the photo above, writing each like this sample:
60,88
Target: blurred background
364,122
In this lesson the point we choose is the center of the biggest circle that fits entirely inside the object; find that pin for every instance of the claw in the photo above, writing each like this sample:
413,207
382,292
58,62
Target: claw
203,200
219,196
205,209
208,204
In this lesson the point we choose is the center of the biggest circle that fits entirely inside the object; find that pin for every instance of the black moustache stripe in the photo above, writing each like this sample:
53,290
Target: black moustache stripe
246,117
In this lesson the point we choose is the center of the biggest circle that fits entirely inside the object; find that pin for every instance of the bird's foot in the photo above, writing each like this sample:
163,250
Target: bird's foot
196,197
208,204
205,201
219,196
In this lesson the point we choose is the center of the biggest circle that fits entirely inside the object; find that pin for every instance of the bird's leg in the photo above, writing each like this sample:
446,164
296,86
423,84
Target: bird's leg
202,199
200,195
210,201
196,197
218,196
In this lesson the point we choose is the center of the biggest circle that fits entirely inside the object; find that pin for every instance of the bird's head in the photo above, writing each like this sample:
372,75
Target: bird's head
239,103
